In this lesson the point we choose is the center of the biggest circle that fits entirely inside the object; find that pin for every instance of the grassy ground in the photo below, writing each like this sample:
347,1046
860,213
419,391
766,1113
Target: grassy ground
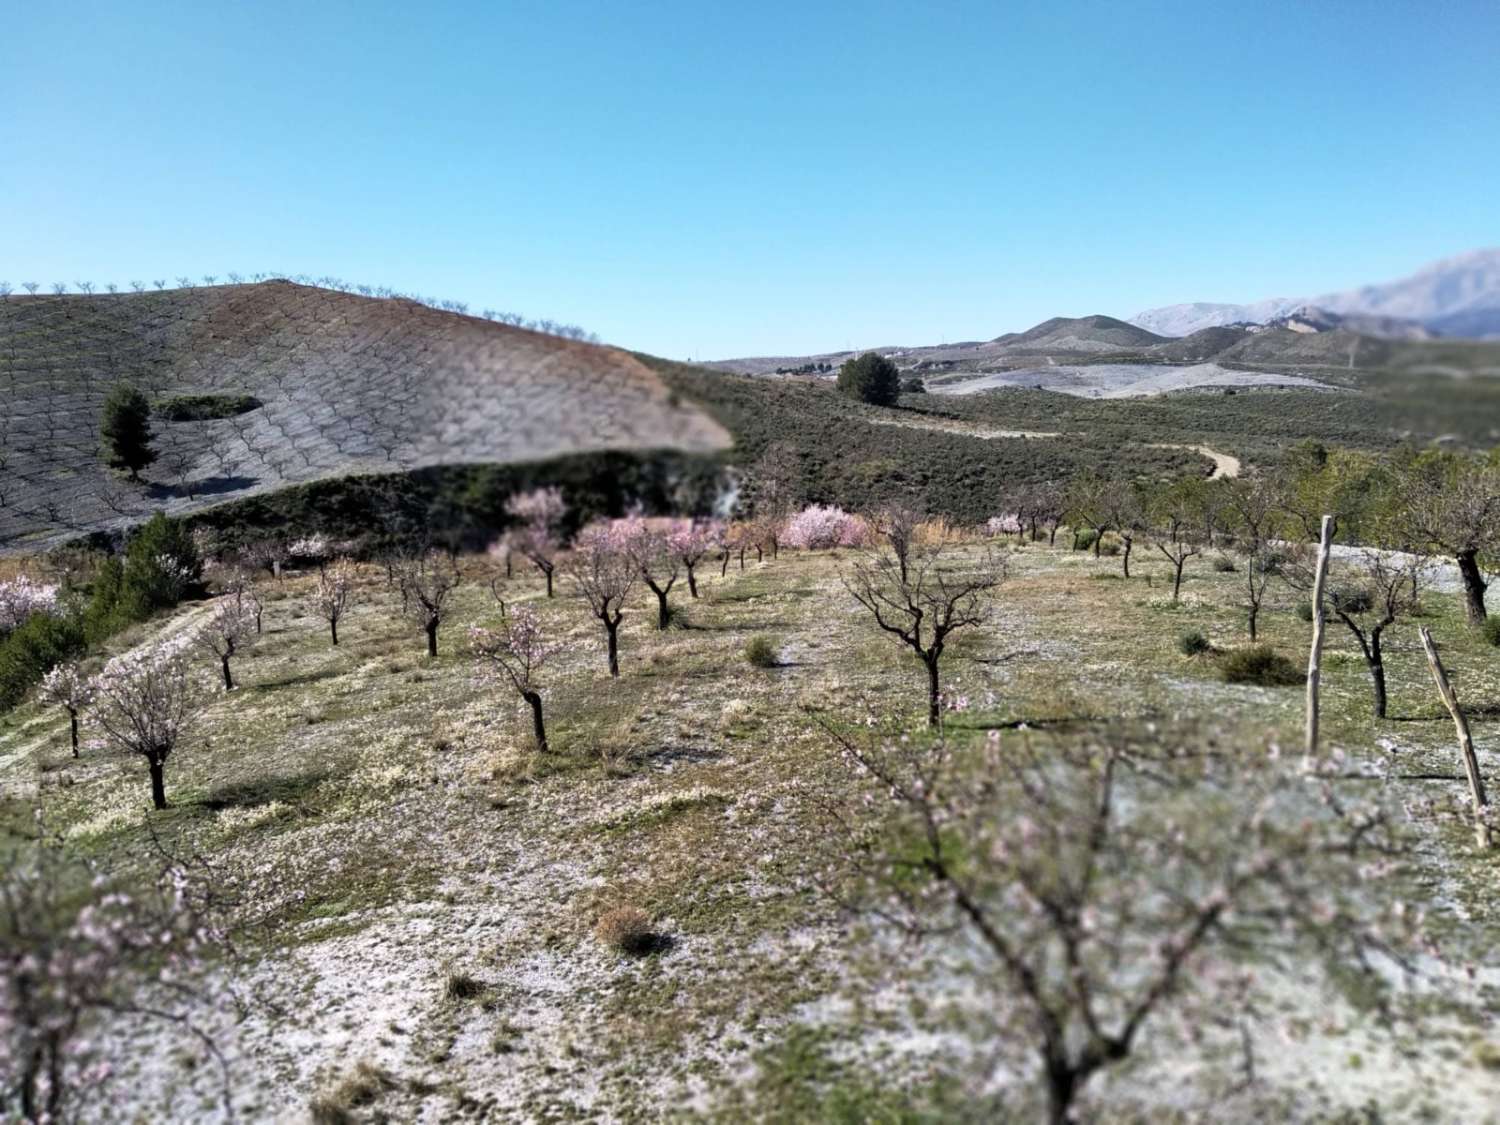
429,886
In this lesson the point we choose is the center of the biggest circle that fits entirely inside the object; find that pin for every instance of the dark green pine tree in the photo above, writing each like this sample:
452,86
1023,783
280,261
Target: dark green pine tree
125,429
871,378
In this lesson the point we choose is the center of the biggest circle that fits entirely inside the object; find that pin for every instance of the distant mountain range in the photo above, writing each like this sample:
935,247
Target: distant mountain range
1303,339
1458,297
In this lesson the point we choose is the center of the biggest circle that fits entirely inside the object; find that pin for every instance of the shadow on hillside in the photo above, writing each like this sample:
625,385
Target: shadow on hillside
254,792
208,486
300,680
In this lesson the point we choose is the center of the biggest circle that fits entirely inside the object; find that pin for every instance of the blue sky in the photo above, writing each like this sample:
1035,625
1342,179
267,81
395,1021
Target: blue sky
705,179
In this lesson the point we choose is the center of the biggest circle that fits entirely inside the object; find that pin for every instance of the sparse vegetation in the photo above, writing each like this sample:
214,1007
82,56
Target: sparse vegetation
626,929
762,652
1260,665
1194,643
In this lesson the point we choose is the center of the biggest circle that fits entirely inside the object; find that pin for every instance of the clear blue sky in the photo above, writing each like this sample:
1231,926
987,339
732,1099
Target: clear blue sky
714,179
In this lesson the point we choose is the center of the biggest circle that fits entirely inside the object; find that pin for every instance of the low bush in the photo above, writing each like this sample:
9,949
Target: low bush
1260,665
1490,630
1110,547
761,652
1304,611
200,408
1225,565
626,929
33,649
1193,643
1083,540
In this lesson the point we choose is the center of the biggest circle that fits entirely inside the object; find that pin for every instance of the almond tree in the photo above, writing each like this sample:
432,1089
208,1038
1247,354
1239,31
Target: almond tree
1257,510
338,586
539,513
80,946
229,630
146,700
1369,592
648,542
519,650
1120,507
897,523
1451,504
935,597
1120,882
21,597
425,581
604,571
70,689
1174,514
693,540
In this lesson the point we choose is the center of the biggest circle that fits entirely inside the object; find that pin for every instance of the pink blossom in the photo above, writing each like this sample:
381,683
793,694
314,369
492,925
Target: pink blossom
819,528
20,598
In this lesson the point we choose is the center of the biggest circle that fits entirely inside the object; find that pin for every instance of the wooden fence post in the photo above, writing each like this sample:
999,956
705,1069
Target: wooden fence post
1465,741
1319,622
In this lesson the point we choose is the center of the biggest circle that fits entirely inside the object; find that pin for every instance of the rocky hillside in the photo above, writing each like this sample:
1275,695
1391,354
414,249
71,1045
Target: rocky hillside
314,383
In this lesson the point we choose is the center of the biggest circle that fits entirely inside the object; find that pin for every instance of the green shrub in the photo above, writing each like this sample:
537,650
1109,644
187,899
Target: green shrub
161,566
1305,611
1490,630
199,408
32,649
761,652
1083,540
870,378
1110,547
1260,665
1225,565
913,387
1193,643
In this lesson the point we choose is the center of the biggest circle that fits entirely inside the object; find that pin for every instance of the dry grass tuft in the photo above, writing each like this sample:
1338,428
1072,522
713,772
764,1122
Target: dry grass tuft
626,929
360,1087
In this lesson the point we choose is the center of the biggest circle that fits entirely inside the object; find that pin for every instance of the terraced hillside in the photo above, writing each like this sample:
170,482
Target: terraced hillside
326,384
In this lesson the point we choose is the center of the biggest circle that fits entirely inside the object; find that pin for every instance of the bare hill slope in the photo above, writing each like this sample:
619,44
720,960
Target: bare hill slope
343,384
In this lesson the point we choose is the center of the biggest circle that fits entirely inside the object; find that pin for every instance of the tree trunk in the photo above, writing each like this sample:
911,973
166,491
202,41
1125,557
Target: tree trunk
1315,655
228,679
73,729
537,727
692,579
1375,659
612,628
333,631
1098,540
724,565
932,690
1474,586
759,554
742,558
775,547
1052,536
158,783
663,610
1177,576
548,573
432,628
1251,616
1062,1088
1125,559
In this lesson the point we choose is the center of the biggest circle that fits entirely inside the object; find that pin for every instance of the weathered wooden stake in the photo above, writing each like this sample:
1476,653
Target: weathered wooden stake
1465,741
1315,657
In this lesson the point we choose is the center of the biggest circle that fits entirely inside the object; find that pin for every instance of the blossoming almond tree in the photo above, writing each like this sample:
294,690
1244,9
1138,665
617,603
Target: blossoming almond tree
539,513
229,630
70,689
691,541
338,586
20,598
78,947
820,528
648,542
519,650
146,700
604,570
426,581
1119,882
